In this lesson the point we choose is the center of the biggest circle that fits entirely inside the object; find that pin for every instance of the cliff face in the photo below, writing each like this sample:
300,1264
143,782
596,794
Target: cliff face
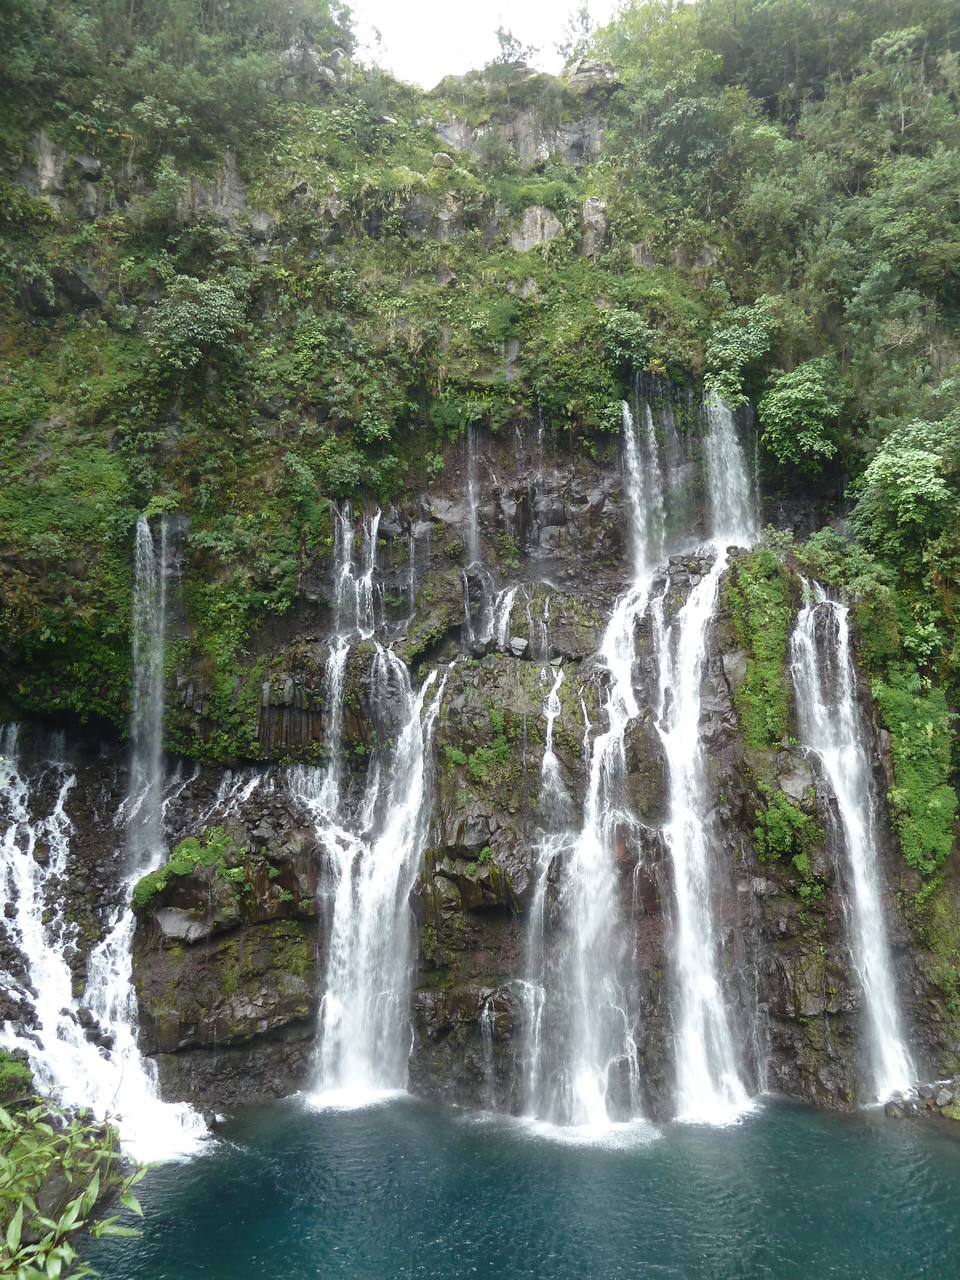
230,950
254,341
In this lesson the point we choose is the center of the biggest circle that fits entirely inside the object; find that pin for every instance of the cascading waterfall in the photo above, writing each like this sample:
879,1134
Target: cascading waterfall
117,1080
374,856
144,814
355,594
488,1018
709,1087
583,1067
472,547
502,613
365,1036
831,727
354,615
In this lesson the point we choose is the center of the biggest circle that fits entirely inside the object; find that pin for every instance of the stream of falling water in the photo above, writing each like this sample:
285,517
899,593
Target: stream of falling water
355,618
365,1036
708,1082
373,852
830,726
110,1078
583,1067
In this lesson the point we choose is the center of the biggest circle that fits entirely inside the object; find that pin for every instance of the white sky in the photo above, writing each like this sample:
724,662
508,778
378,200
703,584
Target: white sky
425,40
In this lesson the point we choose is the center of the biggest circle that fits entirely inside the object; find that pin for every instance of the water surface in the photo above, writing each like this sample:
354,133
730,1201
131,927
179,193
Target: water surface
407,1190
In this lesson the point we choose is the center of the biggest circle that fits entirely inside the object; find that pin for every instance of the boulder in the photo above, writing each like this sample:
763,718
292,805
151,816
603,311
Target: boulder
80,286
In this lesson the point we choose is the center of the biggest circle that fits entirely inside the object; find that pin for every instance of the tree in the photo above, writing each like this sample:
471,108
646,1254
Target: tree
513,56
197,319
743,340
799,415
905,497
576,34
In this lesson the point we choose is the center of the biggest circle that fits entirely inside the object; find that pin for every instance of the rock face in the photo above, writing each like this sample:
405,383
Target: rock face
537,225
230,954
787,968
532,139
227,964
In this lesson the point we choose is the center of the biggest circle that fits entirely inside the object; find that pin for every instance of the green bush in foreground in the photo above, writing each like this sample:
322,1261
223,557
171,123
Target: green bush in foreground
40,1146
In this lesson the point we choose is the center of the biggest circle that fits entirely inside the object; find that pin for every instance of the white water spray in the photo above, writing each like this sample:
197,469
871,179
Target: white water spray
582,1034
114,1080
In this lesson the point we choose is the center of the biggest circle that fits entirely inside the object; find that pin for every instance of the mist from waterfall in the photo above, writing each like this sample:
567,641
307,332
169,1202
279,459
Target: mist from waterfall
831,727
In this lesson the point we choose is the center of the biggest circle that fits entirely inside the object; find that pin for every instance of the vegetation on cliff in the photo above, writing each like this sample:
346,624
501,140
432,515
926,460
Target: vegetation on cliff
243,277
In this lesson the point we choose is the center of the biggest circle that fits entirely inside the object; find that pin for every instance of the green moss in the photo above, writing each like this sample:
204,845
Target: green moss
213,848
757,593
487,764
16,1080
784,833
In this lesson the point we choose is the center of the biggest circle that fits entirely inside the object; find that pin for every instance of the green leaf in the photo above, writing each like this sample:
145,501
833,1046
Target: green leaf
130,1201
113,1229
13,1231
89,1197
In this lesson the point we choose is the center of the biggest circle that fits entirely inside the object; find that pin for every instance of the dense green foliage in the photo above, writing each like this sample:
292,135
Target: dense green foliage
16,1082
785,833
235,283
923,802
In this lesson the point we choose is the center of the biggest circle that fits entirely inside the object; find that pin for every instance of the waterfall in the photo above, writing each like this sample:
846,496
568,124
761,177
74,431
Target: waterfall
502,613
105,1073
355,595
411,575
487,1023
374,857
365,1036
583,1066
472,545
730,495
144,802
354,614
708,1082
831,726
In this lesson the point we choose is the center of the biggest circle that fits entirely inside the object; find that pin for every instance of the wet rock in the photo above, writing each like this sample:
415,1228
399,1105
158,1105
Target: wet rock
797,779
87,168
262,226
538,224
79,286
